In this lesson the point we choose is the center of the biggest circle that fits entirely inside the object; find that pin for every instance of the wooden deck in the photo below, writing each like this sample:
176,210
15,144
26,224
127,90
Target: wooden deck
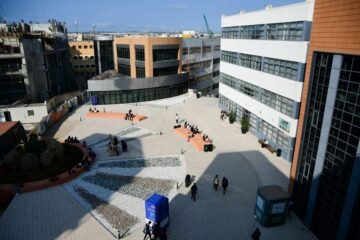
197,140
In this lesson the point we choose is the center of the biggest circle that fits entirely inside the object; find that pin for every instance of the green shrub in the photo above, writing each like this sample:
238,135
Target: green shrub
232,117
56,148
47,159
245,124
29,162
12,160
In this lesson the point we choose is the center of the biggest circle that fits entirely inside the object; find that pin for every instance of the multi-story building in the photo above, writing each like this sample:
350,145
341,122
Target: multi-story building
201,59
82,59
325,175
147,68
263,58
34,61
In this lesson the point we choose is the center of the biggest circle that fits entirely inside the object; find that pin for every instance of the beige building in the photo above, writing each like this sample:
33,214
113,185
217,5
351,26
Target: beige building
82,58
147,56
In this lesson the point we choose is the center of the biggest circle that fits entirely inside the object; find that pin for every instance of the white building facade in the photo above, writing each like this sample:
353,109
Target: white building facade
263,59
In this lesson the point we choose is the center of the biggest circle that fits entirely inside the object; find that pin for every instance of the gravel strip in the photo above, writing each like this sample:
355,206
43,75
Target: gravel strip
133,186
142,163
116,217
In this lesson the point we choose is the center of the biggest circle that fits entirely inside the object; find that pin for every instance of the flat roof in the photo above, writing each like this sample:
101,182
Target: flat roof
6,126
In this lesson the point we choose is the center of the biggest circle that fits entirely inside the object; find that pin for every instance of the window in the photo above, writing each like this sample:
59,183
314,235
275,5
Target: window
194,50
140,72
206,49
75,57
165,71
91,46
91,57
86,57
79,47
81,57
282,68
285,31
217,48
185,51
230,57
216,73
165,54
139,54
250,61
124,69
230,32
85,46
123,52
73,47
252,32
30,113
216,60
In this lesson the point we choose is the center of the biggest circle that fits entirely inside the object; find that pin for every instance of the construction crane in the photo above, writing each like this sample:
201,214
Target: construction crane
211,33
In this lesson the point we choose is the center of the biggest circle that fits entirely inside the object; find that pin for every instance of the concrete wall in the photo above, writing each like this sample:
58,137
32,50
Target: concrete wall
21,113
117,84
290,13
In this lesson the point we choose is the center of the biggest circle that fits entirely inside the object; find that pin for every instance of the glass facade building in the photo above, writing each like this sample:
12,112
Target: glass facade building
328,172
104,53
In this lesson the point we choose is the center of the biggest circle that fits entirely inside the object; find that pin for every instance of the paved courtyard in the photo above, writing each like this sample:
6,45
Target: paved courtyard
111,196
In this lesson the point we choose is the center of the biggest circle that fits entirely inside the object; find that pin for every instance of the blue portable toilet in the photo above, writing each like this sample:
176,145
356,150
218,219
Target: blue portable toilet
157,210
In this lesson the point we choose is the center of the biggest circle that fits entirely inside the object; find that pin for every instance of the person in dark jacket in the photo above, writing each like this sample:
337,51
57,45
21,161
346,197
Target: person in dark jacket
147,230
225,184
194,190
256,234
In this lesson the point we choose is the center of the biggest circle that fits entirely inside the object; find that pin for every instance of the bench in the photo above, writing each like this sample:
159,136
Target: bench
267,146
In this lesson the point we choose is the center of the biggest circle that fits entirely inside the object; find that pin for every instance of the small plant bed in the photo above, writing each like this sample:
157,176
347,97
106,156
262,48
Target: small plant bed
38,159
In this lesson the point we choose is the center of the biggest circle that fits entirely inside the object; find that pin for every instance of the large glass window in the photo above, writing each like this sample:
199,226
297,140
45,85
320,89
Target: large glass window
282,68
230,57
252,32
250,61
206,49
123,52
140,54
165,71
124,69
194,50
285,31
230,32
140,72
165,54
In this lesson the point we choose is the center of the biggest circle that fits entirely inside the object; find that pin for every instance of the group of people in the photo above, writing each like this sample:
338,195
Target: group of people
113,145
154,232
93,111
222,115
206,138
224,183
72,140
192,128
216,182
129,116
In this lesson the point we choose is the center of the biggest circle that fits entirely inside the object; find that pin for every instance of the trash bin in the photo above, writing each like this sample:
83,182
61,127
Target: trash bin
210,147
278,152
206,148
187,180
157,210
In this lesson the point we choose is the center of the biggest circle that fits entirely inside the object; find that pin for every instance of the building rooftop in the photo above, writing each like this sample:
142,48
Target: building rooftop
6,126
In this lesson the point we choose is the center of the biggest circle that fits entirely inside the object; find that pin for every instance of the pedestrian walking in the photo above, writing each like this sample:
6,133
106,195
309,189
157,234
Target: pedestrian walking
156,231
216,182
256,234
147,230
225,184
123,146
194,190
177,119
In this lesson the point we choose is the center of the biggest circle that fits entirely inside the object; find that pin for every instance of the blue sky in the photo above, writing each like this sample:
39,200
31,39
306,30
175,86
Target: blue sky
131,15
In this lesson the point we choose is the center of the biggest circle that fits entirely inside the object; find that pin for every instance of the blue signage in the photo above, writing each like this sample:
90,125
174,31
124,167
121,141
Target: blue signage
94,100
157,209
